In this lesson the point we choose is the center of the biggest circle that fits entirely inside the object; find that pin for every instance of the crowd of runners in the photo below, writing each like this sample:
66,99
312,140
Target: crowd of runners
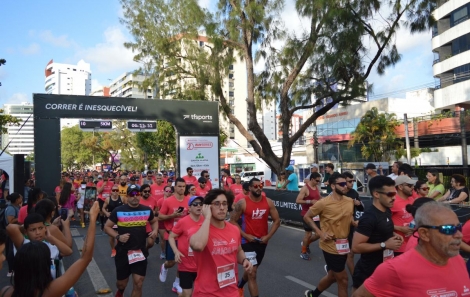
408,240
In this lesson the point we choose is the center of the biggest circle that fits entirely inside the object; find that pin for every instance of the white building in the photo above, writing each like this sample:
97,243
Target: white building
127,85
267,119
451,47
67,79
19,139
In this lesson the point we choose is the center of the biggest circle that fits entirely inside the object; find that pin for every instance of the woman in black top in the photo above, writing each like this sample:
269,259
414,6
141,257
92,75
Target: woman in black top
458,192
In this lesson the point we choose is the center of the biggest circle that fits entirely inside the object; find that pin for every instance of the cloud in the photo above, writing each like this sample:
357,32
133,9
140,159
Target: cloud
47,37
406,41
17,98
110,55
95,85
32,49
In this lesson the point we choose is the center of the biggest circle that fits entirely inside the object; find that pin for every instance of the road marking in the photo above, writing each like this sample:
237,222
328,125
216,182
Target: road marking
293,228
308,286
97,278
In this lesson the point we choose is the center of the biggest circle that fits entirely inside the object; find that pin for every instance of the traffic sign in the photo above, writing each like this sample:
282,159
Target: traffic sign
142,126
87,125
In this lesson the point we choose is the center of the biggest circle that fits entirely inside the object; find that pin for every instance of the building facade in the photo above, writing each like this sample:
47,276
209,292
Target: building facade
127,85
68,79
451,47
19,139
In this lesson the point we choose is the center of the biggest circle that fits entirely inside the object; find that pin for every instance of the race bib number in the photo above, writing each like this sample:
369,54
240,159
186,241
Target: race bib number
226,275
115,226
190,251
105,195
342,246
135,256
251,256
316,218
387,254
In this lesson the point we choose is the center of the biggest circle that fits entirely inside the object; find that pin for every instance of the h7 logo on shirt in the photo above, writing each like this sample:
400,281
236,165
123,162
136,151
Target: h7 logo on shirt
258,214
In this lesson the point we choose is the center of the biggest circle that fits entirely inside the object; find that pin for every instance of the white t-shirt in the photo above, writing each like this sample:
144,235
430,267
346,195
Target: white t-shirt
54,250
393,176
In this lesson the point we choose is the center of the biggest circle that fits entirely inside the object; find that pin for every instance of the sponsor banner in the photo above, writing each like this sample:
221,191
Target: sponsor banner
200,153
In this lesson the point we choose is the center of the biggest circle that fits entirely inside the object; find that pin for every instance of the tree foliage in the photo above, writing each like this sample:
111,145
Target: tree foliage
330,59
74,154
376,133
160,146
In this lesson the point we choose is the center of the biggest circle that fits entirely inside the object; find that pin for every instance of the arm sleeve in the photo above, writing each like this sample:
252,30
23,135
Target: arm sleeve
366,225
152,215
384,282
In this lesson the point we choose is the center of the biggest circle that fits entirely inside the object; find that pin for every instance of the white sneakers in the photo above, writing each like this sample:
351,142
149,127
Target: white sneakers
163,273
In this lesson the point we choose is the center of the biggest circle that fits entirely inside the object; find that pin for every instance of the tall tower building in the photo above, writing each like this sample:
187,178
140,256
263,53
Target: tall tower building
67,79
451,47
19,139
127,85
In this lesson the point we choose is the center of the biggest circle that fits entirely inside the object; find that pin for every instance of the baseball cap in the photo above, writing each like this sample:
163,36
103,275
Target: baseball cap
100,176
201,180
371,166
191,200
404,179
314,165
133,188
290,168
133,178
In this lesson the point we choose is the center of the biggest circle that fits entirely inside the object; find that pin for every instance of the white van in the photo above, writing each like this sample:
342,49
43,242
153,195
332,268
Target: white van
246,176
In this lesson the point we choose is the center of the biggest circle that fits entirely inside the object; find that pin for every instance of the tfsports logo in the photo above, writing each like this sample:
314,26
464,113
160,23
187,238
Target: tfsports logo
197,117
185,116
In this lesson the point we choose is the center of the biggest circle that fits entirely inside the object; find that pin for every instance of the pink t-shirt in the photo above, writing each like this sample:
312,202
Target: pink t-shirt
152,203
23,214
466,232
240,197
157,191
217,268
71,202
181,229
401,217
190,180
236,189
106,191
413,275
202,192
412,242
169,206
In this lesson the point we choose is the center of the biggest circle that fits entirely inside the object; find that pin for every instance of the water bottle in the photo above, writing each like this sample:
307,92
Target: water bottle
70,292
412,224
53,271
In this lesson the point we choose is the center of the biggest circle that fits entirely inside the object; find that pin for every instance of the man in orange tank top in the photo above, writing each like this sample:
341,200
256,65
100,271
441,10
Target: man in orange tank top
254,212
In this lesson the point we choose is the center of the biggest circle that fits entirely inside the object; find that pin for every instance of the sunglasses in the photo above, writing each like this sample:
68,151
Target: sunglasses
389,194
145,191
341,184
424,189
203,183
115,190
167,191
206,176
317,180
134,194
445,229
196,204
257,186
190,171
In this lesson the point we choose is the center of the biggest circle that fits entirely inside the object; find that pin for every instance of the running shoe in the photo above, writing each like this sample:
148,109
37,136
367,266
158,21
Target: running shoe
241,292
9,274
163,273
162,255
305,256
177,289
308,293
113,253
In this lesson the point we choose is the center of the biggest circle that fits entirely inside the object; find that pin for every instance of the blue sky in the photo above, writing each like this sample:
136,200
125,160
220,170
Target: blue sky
34,32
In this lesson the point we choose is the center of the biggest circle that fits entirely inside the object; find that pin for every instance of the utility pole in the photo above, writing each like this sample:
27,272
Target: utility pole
407,138
415,134
464,142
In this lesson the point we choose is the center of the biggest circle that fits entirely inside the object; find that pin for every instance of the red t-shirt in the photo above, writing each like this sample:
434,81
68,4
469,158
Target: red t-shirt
202,192
312,195
218,260
255,218
190,180
227,181
152,203
236,189
23,214
169,206
240,197
401,217
209,185
411,274
412,242
106,191
181,229
466,232
157,191
161,226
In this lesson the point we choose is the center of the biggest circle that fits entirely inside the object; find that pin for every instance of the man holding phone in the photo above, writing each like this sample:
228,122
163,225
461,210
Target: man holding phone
173,209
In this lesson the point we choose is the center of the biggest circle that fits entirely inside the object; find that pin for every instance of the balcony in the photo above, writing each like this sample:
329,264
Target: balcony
451,63
445,7
447,97
447,36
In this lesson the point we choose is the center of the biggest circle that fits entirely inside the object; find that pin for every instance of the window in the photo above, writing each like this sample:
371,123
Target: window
230,67
462,73
459,15
230,76
461,44
230,94
201,43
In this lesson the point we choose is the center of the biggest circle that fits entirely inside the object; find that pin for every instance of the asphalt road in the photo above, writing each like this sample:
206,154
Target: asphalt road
282,274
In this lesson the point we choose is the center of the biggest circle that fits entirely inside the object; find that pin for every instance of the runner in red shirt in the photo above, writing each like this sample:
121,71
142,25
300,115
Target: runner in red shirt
400,217
217,268
203,189
254,212
205,174
149,201
173,209
236,188
244,194
190,179
104,187
433,268
183,253
227,180
161,227
158,187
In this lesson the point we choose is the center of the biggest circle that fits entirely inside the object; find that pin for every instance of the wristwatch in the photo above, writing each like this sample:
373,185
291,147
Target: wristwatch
382,245
117,237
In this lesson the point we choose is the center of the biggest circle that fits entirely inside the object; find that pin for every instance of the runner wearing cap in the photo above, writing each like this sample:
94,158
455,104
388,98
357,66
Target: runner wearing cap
203,188
184,255
131,249
400,217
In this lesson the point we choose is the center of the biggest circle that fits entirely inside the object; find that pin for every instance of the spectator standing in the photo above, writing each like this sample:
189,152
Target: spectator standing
292,181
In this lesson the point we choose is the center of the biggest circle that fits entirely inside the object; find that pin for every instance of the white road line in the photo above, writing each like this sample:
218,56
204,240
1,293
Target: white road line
293,228
308,286
97,278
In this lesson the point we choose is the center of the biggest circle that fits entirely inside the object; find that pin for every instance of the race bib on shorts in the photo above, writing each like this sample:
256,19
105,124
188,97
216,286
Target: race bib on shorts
135,256
387,254
226,275
251,256
342,246
316,218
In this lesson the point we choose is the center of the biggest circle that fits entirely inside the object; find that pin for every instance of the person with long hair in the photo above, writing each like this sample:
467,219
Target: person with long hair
36,280
458,193
35,195
67,198
58,189
436,188
47,209
421,189
281,179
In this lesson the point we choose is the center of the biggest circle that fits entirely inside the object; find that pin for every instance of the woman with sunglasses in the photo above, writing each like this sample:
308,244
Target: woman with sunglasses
458,192
167,192
109,205
281,179
421,189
